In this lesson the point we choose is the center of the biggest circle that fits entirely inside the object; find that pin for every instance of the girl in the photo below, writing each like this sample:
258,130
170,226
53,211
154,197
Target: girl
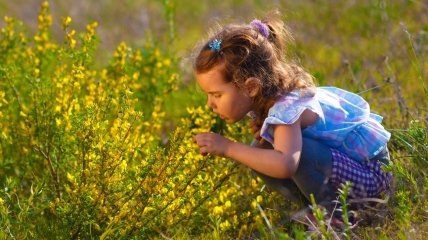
310,139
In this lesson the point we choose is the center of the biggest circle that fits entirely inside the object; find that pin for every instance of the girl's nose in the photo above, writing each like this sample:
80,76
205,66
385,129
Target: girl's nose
210,103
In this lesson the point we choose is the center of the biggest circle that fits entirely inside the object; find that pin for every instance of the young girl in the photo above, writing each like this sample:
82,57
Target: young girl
310,139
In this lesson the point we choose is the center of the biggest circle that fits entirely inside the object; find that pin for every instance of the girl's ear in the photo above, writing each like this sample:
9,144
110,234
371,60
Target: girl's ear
252,86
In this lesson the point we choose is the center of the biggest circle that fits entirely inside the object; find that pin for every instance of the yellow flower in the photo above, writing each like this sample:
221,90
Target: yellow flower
22,114
157,52
70,177
254,183
8,19
135,76
65,22
259,199
167,62
123,165
91,30
70,39
58,121
218,210
254,204
45,4
36,72
97,227
225,225
227,204
148,209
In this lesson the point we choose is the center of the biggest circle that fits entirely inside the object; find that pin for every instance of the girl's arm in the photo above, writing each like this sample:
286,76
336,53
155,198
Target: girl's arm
280,162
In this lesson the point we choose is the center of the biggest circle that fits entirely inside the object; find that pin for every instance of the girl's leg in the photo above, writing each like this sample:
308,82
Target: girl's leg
285,187
314,170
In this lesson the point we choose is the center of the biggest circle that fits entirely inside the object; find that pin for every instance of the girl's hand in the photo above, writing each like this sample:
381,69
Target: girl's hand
212,143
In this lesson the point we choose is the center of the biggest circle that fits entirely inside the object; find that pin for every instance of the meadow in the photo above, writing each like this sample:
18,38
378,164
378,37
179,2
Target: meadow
99,106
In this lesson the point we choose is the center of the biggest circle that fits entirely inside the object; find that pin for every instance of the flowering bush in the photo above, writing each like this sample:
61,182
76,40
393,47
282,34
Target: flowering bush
81,151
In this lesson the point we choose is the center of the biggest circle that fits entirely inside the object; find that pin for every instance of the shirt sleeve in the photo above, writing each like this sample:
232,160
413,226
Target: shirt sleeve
287,110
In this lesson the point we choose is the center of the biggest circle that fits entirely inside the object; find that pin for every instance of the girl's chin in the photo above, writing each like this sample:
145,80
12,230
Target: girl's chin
223,117
228,120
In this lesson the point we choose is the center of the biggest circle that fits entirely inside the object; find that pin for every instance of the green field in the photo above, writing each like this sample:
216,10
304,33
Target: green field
98,111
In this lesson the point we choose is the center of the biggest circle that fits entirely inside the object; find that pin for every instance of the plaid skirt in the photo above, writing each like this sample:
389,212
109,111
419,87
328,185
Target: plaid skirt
367,178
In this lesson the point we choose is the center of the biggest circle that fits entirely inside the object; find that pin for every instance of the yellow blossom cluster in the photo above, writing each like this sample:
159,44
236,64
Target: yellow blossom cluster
83,150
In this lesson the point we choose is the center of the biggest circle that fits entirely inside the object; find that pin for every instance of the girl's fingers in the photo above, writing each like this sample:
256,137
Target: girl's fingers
202,141
203,150
199,138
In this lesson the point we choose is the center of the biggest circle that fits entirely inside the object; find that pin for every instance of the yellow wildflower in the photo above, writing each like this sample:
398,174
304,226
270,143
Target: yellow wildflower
254,204
123,165
70,177
65,22
227,204
218,210
259,199
225,225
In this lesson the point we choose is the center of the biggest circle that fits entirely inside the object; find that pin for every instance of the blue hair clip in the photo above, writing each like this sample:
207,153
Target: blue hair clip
215,45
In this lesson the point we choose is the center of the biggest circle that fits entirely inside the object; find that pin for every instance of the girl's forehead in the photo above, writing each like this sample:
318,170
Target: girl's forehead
213,80
214,73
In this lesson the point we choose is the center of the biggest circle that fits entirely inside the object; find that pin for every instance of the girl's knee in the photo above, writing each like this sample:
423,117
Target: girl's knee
315,155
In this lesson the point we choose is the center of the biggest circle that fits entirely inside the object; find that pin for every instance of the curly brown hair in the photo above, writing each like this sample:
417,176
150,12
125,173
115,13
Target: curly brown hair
246,53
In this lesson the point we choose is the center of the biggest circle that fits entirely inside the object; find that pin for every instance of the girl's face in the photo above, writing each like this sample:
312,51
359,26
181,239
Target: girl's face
224,98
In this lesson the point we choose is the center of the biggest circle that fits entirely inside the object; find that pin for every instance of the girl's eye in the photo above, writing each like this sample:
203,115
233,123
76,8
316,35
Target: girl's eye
217,95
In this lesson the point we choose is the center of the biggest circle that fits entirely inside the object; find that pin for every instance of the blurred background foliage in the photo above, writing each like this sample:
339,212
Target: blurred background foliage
358,45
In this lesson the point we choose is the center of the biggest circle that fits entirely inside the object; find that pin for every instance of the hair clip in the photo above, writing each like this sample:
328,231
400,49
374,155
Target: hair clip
215,45
261,27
